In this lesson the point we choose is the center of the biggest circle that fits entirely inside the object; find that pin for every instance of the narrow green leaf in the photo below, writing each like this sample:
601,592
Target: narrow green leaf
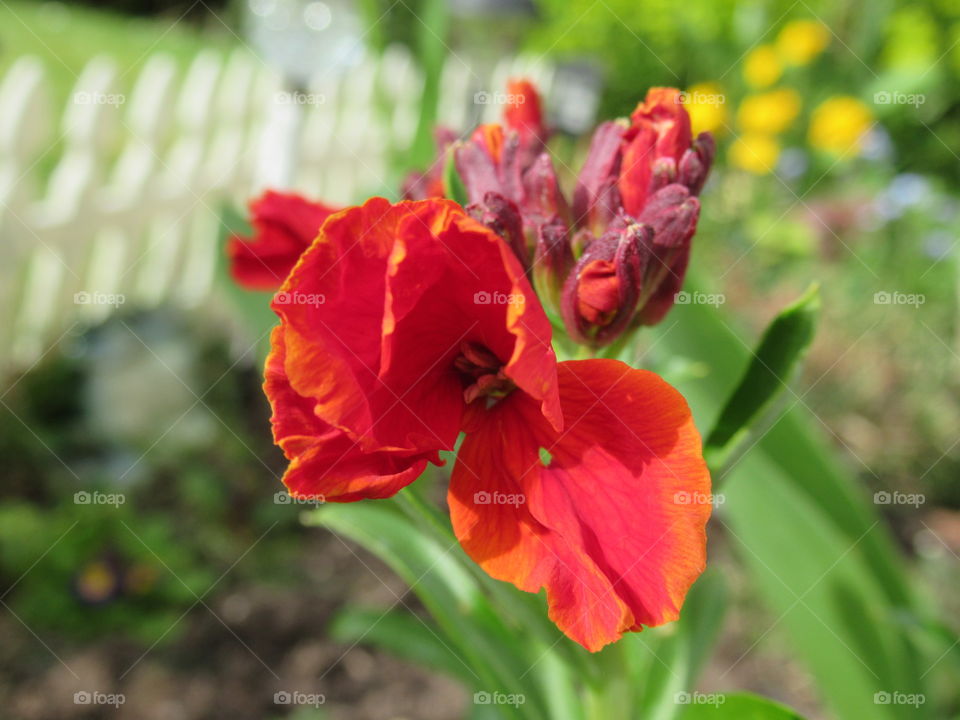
493,653
738,706
816,589
401,633
783,345
453,186
669,662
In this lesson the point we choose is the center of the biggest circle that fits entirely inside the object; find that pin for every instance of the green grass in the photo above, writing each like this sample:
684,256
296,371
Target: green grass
65,37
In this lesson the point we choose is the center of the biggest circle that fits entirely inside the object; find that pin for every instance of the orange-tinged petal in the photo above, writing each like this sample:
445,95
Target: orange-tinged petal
524,113
614,525
325,463
377,312
660,134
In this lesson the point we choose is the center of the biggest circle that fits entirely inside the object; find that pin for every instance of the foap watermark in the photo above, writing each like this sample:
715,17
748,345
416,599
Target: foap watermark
498,98
698,698
82,497
498,498
300,98
299,298
698,298
884,497
699,498
99,298
88,697
885,297
899,698
698,97
482,697
295,697
894,97
285,498
99,98
498,298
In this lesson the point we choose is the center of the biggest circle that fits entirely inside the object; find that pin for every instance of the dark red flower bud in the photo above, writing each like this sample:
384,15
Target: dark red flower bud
601,294
596,197
552,261
503,217
695,163
490,162
524,115
543,198
672,214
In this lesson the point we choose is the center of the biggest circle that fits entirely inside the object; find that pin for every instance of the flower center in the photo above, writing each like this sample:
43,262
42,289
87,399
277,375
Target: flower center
482,373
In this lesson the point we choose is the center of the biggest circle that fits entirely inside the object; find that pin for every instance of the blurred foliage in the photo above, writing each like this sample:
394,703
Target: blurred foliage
66,36
825,49
132,567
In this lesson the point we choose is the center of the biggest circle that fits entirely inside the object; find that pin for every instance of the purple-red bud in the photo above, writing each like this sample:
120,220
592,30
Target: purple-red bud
596,197
552,262
695,163
601,293
672,215
503,217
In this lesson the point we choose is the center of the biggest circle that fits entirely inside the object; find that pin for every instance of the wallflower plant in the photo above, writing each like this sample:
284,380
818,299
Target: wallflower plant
475,324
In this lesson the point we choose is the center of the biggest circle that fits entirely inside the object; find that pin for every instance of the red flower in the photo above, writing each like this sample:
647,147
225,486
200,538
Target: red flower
284,226
404,325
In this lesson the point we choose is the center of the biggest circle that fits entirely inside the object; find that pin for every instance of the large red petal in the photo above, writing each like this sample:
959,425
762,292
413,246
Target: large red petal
324,462
614,525
284,225
376,310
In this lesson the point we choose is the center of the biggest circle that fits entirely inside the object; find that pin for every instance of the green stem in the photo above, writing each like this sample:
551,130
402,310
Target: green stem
609,696
523,608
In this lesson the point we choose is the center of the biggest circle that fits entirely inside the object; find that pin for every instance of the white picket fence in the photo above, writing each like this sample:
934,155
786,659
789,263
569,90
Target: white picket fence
130,210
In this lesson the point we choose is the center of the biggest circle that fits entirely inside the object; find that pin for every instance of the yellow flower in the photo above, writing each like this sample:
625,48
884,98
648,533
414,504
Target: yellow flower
755,152
770,112
706,104
801,41
839,124
762,68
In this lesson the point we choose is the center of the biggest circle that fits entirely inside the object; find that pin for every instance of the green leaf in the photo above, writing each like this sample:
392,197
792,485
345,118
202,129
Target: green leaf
821,592
401,633
783,345
739,706
496,656
453,186
666,661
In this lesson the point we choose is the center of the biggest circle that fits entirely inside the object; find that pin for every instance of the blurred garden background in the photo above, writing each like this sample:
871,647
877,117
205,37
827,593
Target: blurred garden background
145,552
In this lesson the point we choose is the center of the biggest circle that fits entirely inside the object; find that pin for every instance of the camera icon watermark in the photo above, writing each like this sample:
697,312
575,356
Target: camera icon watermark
87,697
284,498
295,697
894,97
85,297
899,698
299,298
885,497
498,498
885,297
82,497
483,297
483,697
684,497
300,98
699,698
698,298
498,98
99,98
698,97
